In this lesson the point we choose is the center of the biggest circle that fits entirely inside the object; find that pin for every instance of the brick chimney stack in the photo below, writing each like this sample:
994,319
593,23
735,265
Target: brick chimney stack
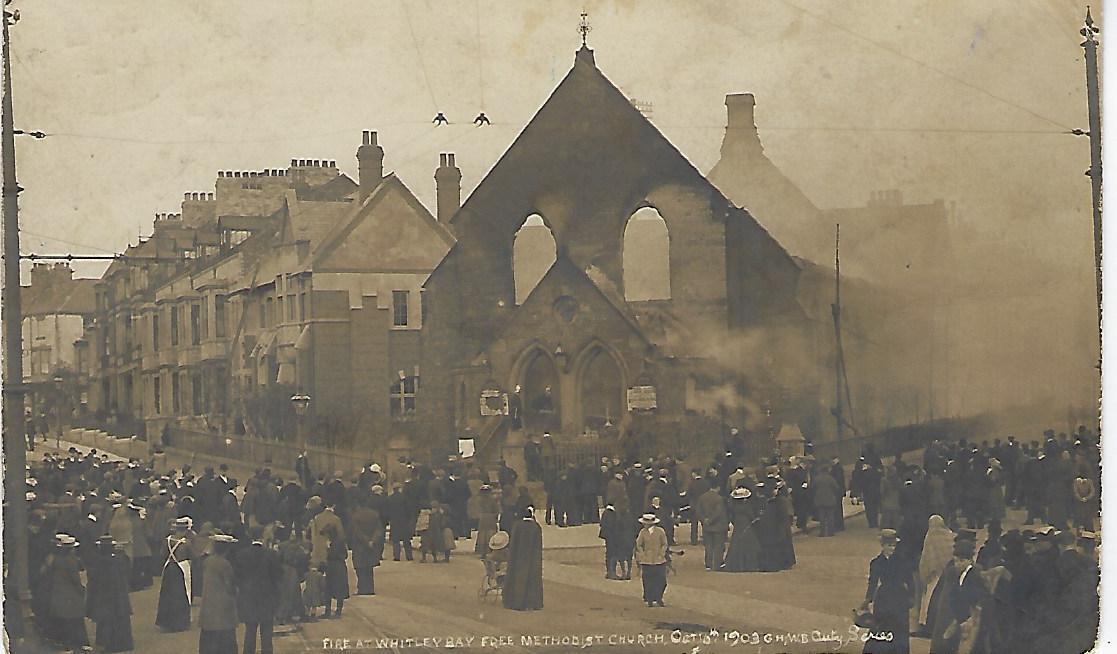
370,165
448,187
740,130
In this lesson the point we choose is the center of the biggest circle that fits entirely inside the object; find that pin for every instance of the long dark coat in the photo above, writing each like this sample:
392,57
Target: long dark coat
523,586
109,605
939,611
337,575
618,530
401,514
257,571
744,547
366,536
956,605
219,595
890,592
67,595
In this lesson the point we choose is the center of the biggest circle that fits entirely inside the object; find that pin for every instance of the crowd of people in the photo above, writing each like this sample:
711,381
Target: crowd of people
274,551
278,551
1020,590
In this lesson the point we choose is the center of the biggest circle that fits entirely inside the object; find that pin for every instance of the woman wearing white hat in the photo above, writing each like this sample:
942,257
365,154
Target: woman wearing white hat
651,556
66,601
218,617
744,546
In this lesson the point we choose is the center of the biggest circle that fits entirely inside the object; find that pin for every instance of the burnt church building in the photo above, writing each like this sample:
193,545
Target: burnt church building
598,344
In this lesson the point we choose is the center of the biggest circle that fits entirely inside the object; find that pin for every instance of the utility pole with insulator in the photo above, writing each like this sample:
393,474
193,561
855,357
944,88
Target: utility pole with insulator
14,439
1093,100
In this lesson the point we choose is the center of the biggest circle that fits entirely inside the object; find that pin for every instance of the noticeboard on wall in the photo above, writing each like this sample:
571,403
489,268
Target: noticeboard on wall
494,403
641,398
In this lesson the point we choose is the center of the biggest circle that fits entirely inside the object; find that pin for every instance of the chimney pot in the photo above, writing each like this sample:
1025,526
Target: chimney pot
741,108
448,187
370,165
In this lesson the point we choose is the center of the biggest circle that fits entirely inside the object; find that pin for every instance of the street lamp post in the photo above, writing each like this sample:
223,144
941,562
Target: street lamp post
59,398
301,403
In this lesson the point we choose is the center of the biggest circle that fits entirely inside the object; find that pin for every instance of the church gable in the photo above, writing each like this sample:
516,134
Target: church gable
391,232
567,306
587,150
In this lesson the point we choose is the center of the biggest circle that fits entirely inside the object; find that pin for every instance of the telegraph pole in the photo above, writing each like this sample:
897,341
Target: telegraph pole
1093,100
14,440
836,310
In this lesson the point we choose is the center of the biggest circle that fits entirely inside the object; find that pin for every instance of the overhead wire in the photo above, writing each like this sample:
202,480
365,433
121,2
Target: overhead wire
67,242
921,63
480,57
419,54
902,130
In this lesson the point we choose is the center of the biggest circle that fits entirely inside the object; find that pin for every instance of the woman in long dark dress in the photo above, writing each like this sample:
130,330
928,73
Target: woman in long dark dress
744,547
523,585
780,507
889,594
766,528
173,613
109,606
65,606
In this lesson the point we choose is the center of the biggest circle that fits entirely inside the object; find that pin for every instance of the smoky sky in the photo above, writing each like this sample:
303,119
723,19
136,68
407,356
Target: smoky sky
965,101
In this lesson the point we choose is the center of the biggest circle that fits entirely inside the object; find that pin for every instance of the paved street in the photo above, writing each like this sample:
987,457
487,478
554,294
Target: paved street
421,606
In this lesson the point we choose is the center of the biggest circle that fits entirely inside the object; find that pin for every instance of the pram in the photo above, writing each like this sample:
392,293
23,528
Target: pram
493,582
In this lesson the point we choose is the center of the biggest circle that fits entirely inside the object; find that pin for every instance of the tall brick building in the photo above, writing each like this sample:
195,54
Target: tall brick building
282,281
720,332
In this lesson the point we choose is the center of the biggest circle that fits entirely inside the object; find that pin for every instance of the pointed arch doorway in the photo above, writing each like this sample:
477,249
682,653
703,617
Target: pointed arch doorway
601,394
539,387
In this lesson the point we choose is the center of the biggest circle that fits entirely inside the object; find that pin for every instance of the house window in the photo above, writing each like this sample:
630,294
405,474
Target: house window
399,308
195,324
205,319
263,316
155,333
302,306
219,316
176,390
174,326
291,308
197,395
270,312
279,313
403,396
157,384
